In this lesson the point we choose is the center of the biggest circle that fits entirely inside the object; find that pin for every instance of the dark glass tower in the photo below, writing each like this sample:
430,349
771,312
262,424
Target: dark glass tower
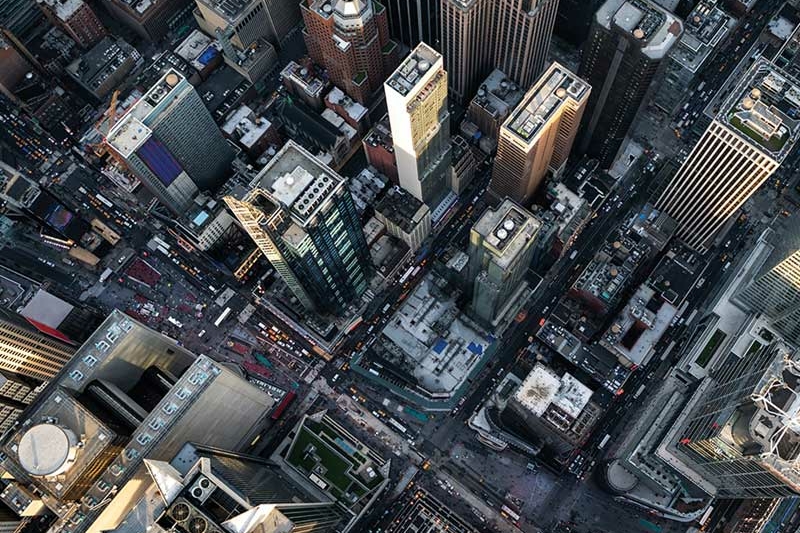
414,21
574,19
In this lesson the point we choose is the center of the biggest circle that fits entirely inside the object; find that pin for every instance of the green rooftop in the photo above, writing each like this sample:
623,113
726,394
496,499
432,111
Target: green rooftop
773,144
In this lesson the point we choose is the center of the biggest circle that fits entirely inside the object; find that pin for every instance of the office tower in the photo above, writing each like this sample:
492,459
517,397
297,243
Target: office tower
214,490
414,21
627,43
128,395
496,98
20,17
245,33
28,358
738,432
150,20
172,144
501,244
302,217
538,135
467,46
416,97
479,35
523,29
350,39
284,16
76,19
405,217
746,142
774,289
574,19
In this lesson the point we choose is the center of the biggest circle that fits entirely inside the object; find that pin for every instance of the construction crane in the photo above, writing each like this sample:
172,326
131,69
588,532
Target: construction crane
100,149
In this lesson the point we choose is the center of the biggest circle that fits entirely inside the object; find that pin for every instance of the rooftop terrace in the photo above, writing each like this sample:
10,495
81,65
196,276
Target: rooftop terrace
649,23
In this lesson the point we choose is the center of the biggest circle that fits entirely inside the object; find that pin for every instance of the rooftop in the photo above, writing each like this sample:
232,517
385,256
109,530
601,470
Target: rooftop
63,9
402,208
497,95
556,87
506,230
764,109
543,388
230,10
101,61
381,135
245,126
414,70
198,49
304,78
704,28
655,28
353,109
298,181
423,512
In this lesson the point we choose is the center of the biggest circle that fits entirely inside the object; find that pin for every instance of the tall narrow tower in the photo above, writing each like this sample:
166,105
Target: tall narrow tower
416,97
751,135
538,135
467,49
628,41
302,217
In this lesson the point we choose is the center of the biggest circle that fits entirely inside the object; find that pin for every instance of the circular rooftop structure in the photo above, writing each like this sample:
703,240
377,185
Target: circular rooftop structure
755,94
508,225
172,79
47,450
501,234
423,65
748,103
561,92
638,33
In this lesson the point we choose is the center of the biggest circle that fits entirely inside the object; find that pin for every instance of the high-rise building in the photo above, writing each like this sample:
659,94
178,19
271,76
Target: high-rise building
75,18
480,35
302,217
774,290
537,136
245,31
350,39
746,142
150,20
128,395
629,39
172,144
414,21
501,244
19,17
466,44
28,359
574,19
416,97
209,489
405,217
738,431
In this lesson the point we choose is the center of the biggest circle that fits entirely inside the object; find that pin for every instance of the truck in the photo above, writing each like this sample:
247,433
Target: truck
105,275
238,347
573,255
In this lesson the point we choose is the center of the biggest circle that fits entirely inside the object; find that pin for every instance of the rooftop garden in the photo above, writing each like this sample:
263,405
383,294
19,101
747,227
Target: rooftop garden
773,144
709,349
360,77
389,47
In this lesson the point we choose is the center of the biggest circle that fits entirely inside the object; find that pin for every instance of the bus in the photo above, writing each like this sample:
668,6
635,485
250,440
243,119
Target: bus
285,402
604,442
397,425
407,273
222,316
506,511
639,391
706,515
174,322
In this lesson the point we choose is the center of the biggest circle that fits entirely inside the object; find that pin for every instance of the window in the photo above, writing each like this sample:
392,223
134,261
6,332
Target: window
77,375
90,360
144,439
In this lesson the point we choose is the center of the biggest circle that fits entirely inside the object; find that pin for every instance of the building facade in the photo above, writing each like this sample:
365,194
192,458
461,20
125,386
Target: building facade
416,97
628,42
150,20
746,142
76,19
538,135
501,244
350,39
19,17
574,19
415,21
302,217
171,142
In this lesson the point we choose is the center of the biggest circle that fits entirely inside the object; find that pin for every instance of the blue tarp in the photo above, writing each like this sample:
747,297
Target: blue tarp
440,345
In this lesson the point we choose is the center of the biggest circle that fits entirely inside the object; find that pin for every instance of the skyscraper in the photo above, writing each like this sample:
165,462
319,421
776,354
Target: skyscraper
629,39
350,39
416,97
19,17
538,135
574,19
480,35
414,21
739,431
28,358
302,217
171,142
128,394
775,288
501,244
746,142
203,488
76,18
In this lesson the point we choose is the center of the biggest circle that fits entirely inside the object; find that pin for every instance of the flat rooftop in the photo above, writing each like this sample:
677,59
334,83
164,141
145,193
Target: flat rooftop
128,135
353,109
764,108
704,28
303,78
543,387
413,69
506,230
245,126
63,9
498,94
402,208
230,10
654,27
554,89
299,181
101,61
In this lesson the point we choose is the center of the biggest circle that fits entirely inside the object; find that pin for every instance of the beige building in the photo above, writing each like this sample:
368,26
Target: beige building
479,35
744,145
538,135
